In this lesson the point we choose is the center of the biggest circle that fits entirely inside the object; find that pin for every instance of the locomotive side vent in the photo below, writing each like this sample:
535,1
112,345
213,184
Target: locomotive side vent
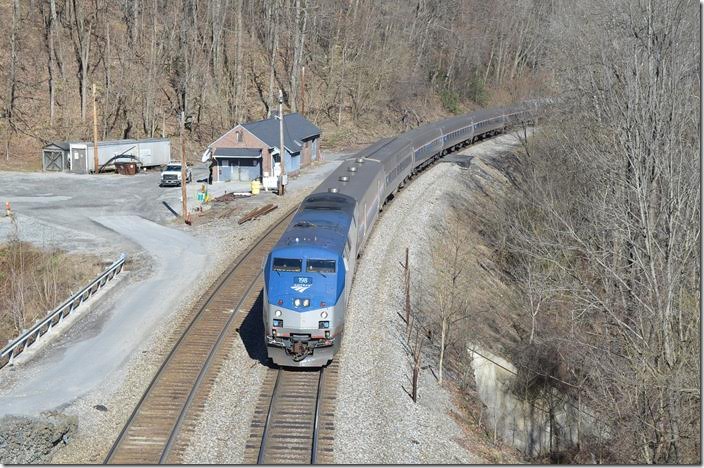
332,190
344,178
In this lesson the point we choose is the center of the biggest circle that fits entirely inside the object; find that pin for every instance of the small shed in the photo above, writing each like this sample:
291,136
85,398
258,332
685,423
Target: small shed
243,164
55,157
77,156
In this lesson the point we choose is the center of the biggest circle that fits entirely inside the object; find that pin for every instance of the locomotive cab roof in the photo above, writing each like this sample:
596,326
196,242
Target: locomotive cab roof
321,222
327,201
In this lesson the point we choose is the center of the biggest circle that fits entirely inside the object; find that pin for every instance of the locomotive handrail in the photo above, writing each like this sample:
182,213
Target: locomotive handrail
57,315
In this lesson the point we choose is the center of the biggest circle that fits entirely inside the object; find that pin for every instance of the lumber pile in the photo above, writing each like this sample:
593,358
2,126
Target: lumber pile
257,213
232,196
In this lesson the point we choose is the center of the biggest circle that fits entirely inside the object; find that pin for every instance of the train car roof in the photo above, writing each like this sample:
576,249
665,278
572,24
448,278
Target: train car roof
453,123
388,152
357,183
421,135
370,150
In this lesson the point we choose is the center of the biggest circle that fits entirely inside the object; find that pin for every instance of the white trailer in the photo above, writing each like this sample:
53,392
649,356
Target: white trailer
77,156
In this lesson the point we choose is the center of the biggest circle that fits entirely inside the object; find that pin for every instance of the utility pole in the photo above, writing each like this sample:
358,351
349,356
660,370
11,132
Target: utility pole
96,161
282,149
184,201
303,90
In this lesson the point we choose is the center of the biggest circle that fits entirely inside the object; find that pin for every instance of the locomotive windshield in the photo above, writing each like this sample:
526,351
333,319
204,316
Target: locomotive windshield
320,266
287,264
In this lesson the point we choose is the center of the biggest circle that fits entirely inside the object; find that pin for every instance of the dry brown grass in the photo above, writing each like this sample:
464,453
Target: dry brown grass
34,281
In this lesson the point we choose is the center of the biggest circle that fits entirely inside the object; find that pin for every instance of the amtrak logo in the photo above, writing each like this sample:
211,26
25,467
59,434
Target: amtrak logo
300,288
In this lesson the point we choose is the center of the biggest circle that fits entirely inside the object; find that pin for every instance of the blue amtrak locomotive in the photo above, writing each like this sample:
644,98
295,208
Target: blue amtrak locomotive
308,274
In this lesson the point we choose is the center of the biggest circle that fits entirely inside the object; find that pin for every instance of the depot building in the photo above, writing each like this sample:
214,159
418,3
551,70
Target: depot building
251,150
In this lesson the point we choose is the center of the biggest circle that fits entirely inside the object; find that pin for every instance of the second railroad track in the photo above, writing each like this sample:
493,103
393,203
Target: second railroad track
159,429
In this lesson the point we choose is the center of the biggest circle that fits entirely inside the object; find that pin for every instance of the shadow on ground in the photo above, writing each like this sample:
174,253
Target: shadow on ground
252,332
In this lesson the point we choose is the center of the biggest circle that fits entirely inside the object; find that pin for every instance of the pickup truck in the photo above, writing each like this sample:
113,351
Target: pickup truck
171,174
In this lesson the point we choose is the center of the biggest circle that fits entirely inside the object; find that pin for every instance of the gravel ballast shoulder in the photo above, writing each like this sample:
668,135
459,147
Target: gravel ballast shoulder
376,420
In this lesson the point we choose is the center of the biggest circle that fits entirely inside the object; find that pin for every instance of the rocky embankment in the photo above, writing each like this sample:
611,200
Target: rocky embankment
33,440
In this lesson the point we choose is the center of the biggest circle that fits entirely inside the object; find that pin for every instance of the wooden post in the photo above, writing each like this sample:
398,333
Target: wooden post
96,160
184,202
282,148
416,362
407,281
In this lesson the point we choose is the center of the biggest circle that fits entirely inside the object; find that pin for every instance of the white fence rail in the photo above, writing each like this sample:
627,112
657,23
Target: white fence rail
54,317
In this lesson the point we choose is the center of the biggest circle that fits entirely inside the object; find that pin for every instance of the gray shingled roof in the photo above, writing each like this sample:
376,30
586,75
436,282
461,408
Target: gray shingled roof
237,152
296,129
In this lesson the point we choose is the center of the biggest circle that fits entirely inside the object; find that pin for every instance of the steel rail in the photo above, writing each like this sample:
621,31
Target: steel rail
316,418
201,374
275,397
262,447
218,286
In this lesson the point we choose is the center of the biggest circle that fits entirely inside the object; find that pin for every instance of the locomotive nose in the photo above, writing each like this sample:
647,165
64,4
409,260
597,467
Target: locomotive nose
292,320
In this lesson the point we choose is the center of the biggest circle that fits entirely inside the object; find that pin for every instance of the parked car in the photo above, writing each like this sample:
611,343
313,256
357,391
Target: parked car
171,174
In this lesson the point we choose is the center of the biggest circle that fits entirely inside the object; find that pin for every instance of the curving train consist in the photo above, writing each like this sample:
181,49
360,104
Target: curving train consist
308,274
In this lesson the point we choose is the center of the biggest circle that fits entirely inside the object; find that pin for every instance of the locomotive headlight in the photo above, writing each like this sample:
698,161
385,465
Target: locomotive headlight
278,323
324,314
297,302
277,313
306,302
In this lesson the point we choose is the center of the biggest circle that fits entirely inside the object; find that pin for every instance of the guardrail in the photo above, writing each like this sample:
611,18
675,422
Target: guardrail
12,350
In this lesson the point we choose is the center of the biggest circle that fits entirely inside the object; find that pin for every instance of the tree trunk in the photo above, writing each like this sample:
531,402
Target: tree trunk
274,48
238,66
82,43
49,26
299,42
9,112
442,349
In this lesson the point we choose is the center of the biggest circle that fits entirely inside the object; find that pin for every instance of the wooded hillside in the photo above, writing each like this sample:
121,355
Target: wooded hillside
371,67
602,235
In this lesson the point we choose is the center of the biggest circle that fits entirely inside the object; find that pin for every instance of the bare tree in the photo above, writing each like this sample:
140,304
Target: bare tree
12,85
49,16
449,266
81,27
615,233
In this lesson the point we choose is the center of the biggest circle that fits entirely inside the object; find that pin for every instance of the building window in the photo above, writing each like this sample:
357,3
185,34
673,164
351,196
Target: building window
238,136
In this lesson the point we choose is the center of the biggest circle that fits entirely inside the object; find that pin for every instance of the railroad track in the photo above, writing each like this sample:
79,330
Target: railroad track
159,429
294,418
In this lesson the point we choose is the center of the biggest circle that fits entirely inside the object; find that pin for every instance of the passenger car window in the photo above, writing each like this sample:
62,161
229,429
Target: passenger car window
287,264
320,266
